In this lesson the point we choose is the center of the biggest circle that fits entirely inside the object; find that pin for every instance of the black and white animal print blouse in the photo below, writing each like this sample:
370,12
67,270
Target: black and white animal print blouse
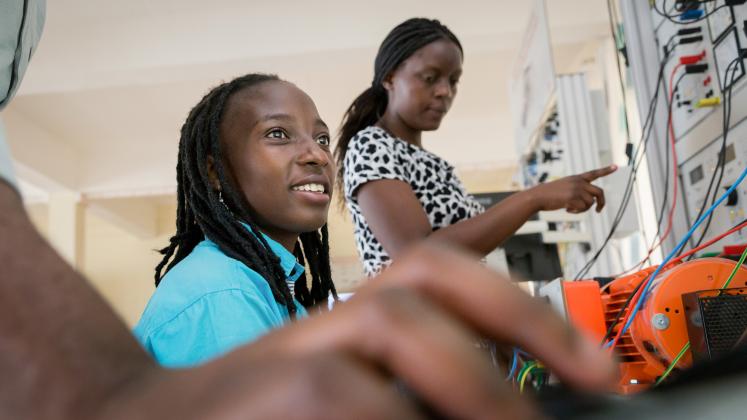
374,154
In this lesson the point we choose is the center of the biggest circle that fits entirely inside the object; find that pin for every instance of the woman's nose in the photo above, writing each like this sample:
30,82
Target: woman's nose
314,154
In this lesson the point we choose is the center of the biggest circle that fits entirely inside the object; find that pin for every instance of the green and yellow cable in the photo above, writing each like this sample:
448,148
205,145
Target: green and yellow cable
687,345
673,364
521,377
524,373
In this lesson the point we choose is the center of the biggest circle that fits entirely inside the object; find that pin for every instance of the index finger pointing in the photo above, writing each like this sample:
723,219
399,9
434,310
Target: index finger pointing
598,173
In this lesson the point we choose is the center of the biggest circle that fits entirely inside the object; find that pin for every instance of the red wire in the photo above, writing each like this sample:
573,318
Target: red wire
711,242
674,159
670,216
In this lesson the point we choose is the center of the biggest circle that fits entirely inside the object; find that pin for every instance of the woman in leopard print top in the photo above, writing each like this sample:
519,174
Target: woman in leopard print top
397,192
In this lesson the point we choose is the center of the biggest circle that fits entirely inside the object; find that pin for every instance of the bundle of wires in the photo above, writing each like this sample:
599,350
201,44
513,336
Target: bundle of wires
610,330
637,158
683,13
641,294
533,368
635,163
673,87
721,164
646,131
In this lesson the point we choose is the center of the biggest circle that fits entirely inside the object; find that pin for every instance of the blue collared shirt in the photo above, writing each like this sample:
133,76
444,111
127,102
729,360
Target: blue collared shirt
209,303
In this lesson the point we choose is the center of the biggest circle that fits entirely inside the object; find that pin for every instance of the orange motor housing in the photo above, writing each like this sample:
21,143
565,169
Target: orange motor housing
659,331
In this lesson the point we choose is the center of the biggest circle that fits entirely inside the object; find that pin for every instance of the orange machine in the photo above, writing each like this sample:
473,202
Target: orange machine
659,331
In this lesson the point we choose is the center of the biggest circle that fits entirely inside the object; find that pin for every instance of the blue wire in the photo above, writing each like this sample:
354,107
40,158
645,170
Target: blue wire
514,363
680,245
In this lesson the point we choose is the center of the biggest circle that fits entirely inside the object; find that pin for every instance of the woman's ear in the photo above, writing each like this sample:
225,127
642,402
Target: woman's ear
212,175
387,82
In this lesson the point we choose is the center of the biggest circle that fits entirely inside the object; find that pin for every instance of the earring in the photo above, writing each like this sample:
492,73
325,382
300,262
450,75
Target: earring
220,199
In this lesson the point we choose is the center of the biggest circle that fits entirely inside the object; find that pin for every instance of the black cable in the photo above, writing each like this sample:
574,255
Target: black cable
745,220
613,29
671,18
722,158
665,198
628,188
721,164
686,36
638,159
620,314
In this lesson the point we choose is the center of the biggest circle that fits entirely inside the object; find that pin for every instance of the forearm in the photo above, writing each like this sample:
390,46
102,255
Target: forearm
62,349
483,233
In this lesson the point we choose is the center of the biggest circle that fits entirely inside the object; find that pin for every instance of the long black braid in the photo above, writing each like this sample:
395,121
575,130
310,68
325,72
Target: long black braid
203,211
402,42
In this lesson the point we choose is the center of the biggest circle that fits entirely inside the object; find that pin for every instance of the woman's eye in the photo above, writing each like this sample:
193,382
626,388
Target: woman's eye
429,78
277,134
323,140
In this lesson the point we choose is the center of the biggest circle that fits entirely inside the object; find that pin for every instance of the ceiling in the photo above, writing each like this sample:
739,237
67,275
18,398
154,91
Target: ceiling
112,81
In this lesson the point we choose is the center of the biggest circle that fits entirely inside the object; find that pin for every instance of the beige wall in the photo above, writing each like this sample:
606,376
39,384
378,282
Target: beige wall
120,265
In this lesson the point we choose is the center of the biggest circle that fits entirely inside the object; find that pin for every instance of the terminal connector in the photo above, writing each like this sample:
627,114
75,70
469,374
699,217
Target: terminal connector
691,39
691,14
696,68
692,59
708,102
690,31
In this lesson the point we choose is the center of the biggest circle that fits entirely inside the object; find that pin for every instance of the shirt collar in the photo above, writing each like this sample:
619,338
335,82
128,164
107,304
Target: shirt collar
288,262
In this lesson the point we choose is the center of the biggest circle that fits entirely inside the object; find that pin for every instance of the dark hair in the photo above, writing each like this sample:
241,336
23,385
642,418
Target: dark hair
402,42
203,211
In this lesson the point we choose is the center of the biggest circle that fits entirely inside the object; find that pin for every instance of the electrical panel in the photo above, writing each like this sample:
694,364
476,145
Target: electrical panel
703,44
697,93
545,161
696,174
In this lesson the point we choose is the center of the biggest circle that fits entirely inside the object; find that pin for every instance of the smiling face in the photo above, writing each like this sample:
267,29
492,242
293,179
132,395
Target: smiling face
277,150
423,87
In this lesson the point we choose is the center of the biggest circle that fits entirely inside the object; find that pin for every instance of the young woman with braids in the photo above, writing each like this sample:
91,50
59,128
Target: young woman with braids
255,177
397,192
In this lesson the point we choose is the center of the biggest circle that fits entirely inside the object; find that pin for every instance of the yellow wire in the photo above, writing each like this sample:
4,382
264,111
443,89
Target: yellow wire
523,378
525,375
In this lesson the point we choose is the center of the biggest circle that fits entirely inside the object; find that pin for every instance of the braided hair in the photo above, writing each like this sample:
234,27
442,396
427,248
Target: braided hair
222,214
401,43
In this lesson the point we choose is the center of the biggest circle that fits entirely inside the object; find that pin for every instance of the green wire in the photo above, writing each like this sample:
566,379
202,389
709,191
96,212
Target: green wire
673,364
523,369
524,373
687,345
